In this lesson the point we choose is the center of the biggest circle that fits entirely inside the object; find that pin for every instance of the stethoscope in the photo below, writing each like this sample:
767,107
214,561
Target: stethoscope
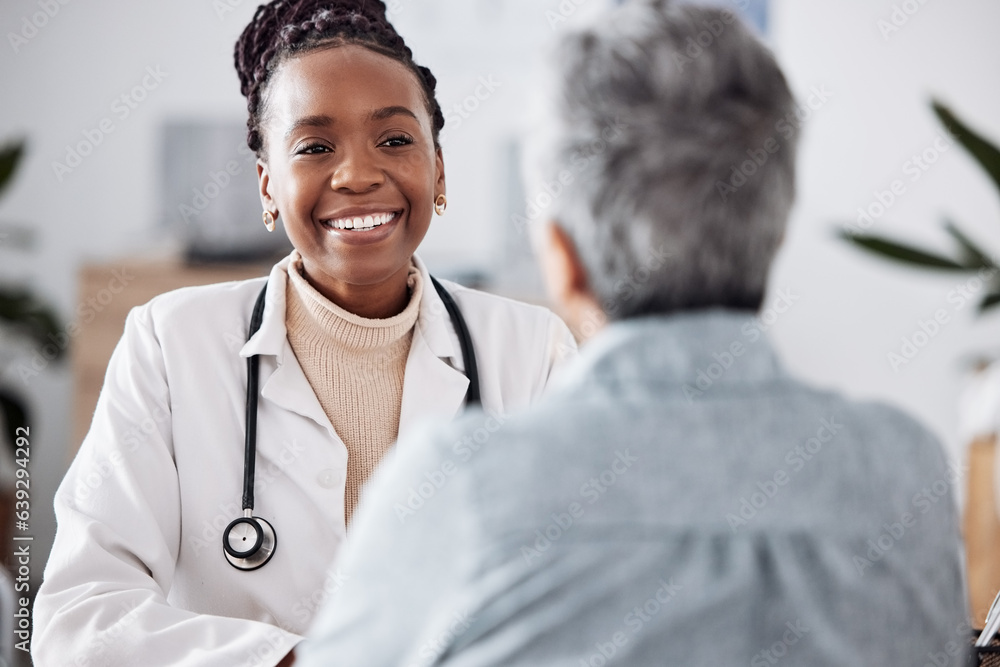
250,541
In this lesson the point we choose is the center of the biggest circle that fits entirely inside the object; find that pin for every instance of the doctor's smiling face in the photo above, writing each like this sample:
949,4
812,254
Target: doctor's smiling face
350,164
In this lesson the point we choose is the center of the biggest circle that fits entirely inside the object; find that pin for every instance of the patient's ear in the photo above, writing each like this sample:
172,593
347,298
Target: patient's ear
567,283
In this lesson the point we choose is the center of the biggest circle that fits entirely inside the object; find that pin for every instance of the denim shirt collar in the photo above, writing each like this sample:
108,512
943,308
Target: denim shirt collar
695,350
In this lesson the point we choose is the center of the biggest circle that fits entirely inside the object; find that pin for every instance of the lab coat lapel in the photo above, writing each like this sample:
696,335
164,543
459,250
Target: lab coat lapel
435,384
282,380
288,388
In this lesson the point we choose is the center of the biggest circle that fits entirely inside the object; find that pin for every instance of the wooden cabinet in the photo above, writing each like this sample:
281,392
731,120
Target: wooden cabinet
982,527
107,293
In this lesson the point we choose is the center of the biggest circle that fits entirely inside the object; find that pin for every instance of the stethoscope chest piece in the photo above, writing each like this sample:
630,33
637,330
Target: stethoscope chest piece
249,542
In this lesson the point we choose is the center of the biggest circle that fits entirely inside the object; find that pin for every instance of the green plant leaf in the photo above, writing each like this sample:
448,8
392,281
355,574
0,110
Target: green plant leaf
973,256
989,301
26,315
985,152
903,253
10,156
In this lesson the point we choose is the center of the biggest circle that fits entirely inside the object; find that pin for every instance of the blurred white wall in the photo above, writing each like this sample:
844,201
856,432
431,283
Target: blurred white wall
855,309
63,80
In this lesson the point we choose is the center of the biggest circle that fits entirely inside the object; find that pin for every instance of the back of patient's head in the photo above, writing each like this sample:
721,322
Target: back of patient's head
662,115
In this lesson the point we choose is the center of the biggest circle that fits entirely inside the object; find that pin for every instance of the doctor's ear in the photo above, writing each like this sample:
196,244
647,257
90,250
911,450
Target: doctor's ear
439,164
264,186
567,282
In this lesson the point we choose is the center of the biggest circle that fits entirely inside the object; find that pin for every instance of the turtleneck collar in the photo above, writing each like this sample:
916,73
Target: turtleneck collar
352,331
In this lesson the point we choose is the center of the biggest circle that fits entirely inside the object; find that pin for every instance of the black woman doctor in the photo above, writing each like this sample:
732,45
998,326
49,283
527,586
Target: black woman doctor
355,346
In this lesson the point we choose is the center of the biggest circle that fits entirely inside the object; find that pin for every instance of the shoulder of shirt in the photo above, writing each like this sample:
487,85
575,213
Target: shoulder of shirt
871,415
893,433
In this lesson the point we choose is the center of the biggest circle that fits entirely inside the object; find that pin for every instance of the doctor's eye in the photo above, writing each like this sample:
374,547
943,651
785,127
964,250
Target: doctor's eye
313,149
397,140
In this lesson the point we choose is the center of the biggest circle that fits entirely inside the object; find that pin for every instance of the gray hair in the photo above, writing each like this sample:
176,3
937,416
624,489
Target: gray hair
668,158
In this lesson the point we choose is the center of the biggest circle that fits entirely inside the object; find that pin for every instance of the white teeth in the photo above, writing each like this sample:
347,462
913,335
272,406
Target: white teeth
366,222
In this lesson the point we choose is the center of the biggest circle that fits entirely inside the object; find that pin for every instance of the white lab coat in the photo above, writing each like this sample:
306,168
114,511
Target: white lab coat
137,575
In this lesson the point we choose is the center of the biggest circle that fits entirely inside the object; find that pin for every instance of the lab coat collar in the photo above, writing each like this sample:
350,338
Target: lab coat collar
433,322
281,377
435,384
271,338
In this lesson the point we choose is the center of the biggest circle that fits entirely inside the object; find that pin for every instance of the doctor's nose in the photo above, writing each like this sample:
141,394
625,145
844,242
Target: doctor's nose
356,172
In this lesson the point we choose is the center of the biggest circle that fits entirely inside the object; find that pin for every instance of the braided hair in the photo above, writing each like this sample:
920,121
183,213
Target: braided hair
284,28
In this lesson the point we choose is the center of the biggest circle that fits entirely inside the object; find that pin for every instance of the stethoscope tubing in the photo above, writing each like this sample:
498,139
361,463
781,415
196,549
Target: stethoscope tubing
265,539
253,381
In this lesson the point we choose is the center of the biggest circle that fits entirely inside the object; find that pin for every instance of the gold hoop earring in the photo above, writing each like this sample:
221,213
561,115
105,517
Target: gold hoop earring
440,204
268,220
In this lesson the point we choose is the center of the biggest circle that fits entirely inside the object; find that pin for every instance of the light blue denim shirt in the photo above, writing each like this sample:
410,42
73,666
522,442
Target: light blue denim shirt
677,499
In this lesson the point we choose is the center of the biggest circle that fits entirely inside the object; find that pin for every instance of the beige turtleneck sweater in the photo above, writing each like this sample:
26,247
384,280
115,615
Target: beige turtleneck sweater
355,365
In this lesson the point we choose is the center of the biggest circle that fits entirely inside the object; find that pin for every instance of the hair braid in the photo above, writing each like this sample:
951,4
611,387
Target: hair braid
283,28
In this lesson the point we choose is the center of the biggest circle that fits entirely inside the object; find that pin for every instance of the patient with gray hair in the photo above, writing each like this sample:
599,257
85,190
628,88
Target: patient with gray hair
678,498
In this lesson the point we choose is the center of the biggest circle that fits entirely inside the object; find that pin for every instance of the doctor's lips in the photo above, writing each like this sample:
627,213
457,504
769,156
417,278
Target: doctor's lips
360,221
